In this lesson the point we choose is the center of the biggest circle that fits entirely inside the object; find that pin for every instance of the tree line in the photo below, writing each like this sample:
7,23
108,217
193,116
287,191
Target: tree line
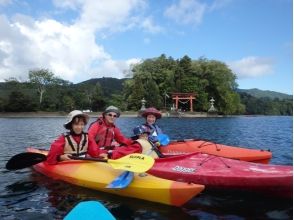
153,79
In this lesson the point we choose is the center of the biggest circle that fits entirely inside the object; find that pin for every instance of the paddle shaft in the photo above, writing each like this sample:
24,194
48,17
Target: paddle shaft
89,159
132,162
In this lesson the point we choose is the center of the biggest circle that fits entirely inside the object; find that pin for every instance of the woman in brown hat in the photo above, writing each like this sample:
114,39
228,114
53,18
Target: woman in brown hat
151,115
75,142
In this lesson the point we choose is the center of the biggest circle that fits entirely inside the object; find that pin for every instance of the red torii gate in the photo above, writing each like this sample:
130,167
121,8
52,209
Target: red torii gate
184,96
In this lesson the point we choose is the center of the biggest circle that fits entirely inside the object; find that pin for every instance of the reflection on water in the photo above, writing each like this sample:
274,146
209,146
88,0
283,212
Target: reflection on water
25,194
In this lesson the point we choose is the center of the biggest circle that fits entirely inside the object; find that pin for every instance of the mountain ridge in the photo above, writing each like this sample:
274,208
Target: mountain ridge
117,85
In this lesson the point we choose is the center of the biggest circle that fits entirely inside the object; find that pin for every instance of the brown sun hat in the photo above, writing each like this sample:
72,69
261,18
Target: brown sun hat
151,111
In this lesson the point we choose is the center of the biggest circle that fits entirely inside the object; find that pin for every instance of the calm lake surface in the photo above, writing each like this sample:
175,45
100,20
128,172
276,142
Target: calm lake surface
26,194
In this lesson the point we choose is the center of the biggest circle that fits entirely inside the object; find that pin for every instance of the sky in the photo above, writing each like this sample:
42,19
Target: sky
82,39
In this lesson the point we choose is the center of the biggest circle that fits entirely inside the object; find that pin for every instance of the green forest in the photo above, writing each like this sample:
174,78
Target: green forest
154,80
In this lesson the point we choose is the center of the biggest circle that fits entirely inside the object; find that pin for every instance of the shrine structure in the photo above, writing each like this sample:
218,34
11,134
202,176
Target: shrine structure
183,98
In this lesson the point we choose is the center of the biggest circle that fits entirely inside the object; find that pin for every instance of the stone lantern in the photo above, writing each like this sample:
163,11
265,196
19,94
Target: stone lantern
143,102
212,109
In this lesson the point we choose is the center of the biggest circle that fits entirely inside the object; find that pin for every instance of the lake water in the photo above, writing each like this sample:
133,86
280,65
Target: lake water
25,194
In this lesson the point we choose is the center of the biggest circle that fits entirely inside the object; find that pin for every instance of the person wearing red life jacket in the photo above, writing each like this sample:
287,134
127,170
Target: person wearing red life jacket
75,142
104,131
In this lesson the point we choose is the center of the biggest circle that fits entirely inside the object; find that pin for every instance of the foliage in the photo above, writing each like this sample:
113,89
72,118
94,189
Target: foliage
257,93
41,78
204,77
266,105
151,80
18,102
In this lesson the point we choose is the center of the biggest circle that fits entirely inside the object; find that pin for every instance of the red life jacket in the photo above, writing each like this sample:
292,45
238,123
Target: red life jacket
105,134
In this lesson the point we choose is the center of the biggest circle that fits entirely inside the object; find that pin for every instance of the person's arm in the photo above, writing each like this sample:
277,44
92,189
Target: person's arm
92,130
93,149
120,138
56,150
119,152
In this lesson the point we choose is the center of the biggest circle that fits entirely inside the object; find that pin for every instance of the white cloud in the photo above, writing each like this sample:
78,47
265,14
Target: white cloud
116,69
149,25
250,67
112,15
69,51
186,12
191,12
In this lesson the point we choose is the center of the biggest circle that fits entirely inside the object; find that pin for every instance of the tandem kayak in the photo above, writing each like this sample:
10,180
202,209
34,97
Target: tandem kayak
218,172
97,176
194,145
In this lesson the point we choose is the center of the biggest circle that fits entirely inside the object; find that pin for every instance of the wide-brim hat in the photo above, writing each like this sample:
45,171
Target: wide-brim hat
112,109
151,111
73,114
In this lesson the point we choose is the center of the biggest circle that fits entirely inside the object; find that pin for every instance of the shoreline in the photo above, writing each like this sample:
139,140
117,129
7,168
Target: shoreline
128,114
96,114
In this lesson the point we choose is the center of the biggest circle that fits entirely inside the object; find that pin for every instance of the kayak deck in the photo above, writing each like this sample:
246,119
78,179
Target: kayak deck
218,172
202,146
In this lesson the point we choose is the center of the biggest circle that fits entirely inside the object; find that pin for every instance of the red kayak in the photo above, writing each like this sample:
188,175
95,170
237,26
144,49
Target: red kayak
203,146
218,172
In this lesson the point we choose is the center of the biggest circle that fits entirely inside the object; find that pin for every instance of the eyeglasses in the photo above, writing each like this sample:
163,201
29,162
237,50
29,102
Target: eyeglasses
111,115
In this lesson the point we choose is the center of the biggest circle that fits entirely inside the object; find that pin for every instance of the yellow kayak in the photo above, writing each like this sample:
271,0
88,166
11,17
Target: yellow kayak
97,176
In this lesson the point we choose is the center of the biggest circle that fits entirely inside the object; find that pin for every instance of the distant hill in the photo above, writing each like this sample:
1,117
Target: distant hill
265,94
115,86
109,85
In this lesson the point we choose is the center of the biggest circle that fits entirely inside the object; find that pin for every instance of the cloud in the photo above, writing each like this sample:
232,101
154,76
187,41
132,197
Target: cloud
191,12
70,51
186,12
149,26
250,67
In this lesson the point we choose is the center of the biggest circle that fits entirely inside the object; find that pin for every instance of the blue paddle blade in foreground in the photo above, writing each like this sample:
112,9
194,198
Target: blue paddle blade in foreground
89,210
122,181
163,139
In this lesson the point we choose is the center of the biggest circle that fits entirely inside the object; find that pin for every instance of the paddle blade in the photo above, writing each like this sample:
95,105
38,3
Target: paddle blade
24,160
90,210
122,181
133,162
163,139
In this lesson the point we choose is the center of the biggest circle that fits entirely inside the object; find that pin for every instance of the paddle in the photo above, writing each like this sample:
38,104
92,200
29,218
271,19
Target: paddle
126,177
122,181
24,160
163,139
89,210
132,162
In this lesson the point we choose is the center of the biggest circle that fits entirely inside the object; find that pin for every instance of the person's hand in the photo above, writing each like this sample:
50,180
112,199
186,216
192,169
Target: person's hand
64,157
157,144
103,155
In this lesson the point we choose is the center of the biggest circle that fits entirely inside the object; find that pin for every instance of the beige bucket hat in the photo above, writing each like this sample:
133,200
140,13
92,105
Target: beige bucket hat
73,114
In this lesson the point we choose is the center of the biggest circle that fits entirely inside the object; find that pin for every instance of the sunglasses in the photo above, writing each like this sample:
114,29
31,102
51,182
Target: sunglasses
111,115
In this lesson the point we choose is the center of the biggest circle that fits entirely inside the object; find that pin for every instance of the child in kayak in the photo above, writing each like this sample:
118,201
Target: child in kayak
152,115
142,134
75,142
